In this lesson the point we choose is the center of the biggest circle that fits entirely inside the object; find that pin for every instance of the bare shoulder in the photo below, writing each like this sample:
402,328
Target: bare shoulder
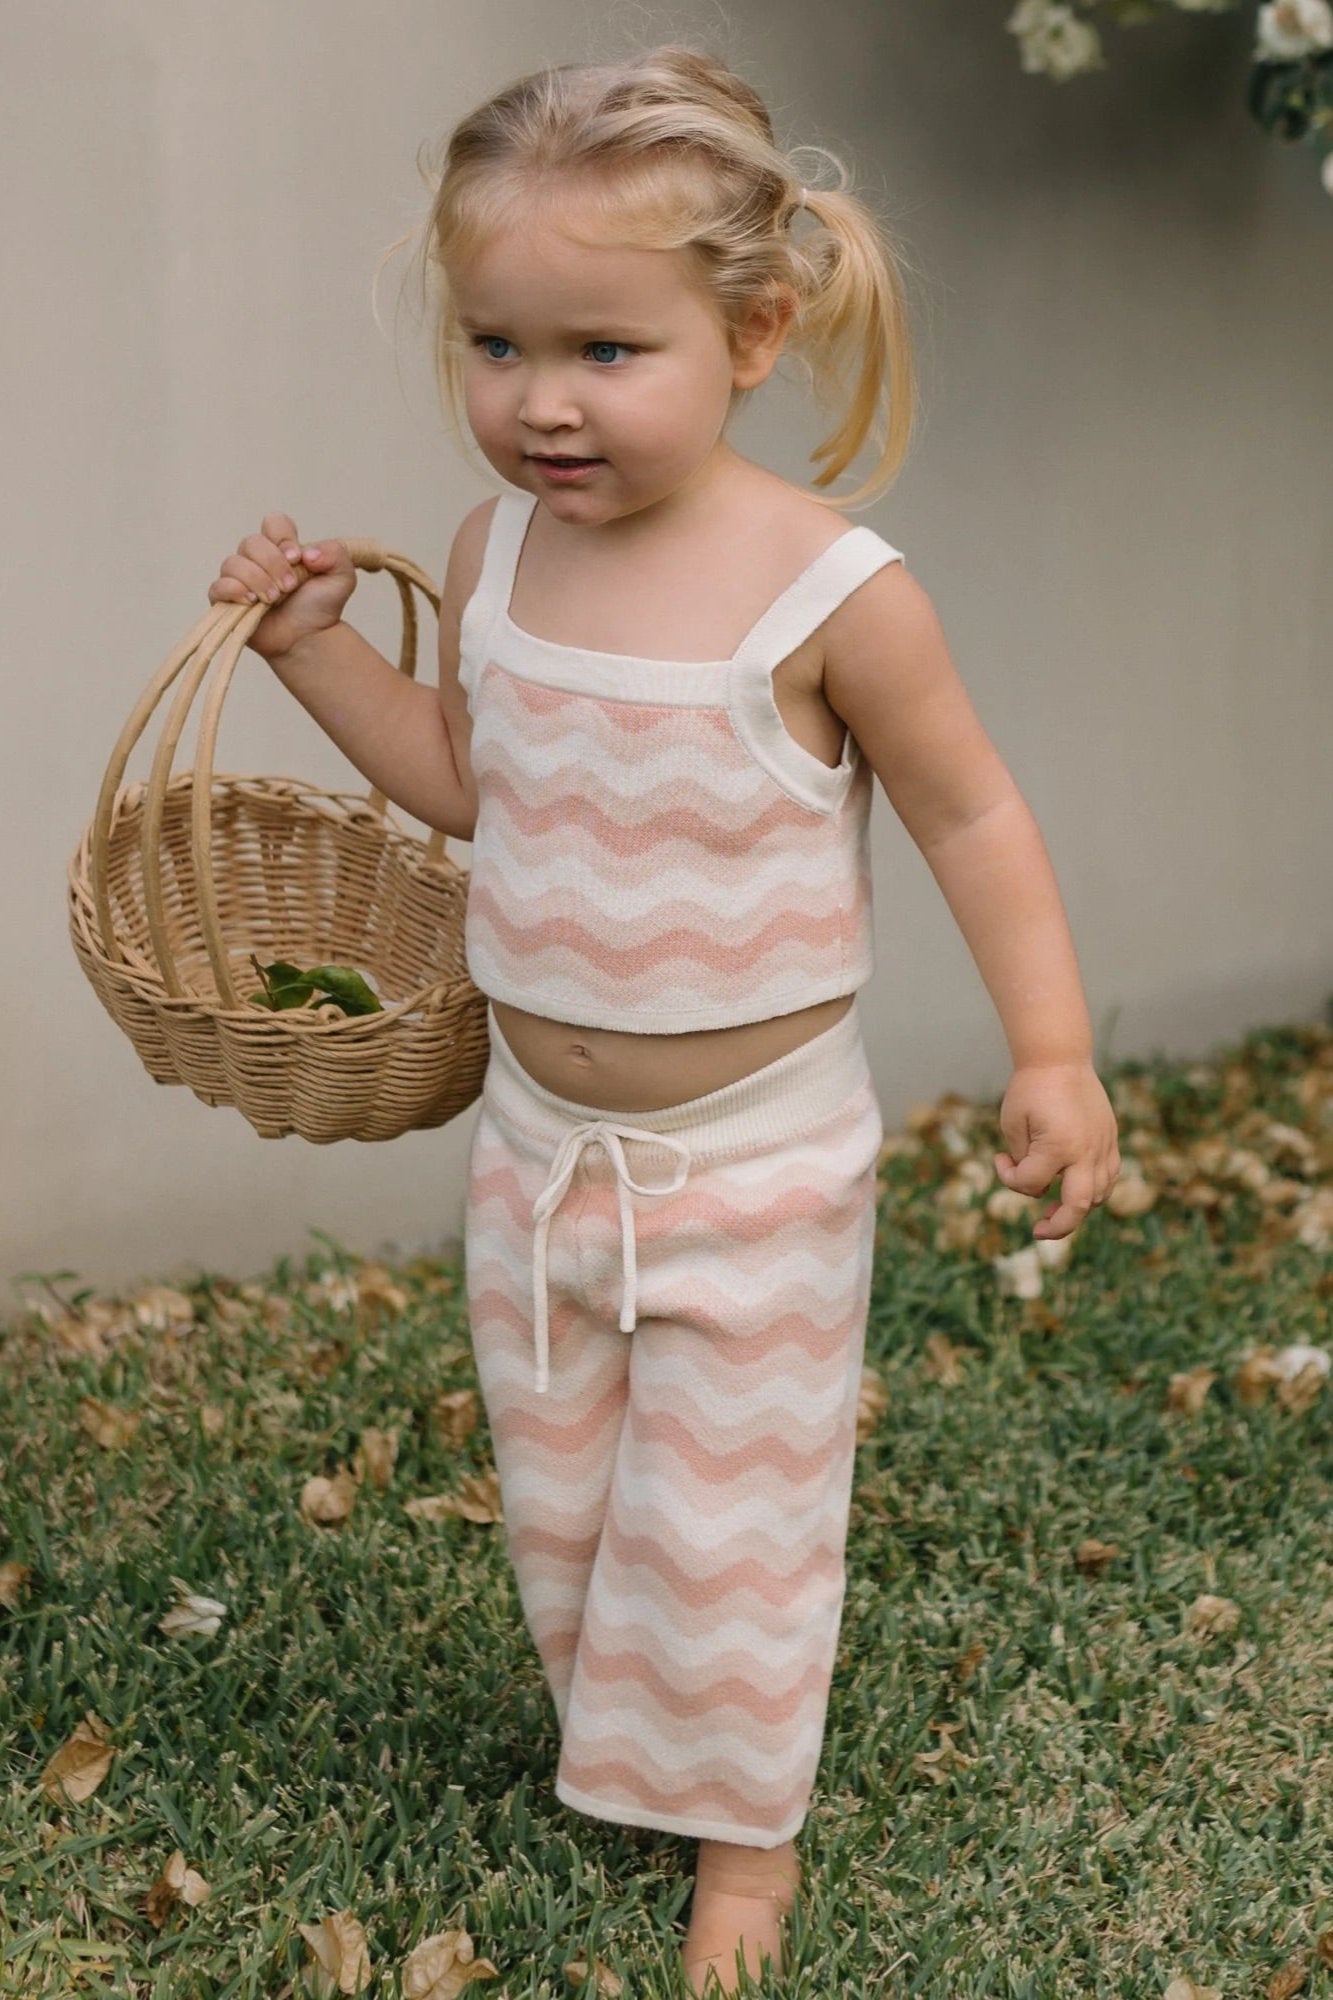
466,552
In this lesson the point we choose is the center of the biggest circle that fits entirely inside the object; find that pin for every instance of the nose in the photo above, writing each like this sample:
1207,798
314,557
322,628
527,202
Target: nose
547,405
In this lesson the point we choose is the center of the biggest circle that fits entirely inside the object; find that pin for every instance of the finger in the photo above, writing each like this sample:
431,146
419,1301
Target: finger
1032,1174
255,579
1076,1190
281,530
226,590
268,563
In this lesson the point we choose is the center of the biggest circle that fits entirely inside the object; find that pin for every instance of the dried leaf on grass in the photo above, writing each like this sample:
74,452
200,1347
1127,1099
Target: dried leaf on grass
375,1456
937,1764
106,1425
176,1884
1209,1616
326,1503
339,1960
455,1414
13,1581
479,1500
872,1402
607,1984
78,1767
441,1966
943,1361
1092,1556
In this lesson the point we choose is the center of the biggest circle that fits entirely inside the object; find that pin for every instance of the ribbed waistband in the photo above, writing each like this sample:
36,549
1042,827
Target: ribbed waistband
788,1096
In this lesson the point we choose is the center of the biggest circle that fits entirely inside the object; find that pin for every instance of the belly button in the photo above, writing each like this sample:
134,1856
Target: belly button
578,1051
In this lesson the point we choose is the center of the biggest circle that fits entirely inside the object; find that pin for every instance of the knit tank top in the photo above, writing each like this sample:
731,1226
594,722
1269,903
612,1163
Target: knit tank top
654,851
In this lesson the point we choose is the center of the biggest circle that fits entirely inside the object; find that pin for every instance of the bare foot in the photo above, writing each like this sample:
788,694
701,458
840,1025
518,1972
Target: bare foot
741,1895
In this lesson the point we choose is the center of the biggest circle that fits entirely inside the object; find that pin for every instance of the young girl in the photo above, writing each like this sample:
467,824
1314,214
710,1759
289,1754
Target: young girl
666,679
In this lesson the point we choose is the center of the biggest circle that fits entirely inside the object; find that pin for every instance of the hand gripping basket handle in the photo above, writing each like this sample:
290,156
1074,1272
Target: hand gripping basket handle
224,632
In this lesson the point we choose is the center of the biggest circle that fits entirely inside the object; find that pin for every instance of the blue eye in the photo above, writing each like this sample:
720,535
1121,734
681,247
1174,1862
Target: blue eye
485,340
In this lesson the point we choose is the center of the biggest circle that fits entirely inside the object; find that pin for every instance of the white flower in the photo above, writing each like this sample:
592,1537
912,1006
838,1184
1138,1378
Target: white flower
1326,173
1053,40
1288,29
1029,17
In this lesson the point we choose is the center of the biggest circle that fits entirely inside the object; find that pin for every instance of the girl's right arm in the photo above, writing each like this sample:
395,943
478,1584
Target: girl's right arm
400,734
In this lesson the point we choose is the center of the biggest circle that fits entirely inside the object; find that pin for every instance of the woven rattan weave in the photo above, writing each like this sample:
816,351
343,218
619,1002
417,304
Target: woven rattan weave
177,882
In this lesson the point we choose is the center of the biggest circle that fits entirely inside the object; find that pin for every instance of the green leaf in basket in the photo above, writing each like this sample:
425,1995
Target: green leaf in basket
280,973
285,985
346,987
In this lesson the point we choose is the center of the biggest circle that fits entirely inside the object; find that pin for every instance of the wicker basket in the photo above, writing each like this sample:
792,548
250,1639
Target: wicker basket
174,885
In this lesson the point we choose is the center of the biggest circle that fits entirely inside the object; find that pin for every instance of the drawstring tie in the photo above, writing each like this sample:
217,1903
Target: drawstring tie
607,1133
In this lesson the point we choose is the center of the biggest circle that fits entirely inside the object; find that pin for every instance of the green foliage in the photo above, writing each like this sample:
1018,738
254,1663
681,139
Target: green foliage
1040,1779
286,985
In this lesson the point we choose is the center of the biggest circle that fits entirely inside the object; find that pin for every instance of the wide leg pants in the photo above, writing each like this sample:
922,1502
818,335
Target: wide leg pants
668,1314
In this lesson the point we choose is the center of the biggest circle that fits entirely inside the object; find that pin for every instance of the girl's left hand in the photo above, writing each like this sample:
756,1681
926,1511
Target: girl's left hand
1058,1119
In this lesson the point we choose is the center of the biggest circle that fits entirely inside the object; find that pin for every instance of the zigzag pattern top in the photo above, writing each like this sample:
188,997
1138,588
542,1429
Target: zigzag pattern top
654,851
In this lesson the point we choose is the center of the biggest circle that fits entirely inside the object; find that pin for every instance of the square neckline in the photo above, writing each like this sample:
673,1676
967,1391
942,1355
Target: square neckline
638,659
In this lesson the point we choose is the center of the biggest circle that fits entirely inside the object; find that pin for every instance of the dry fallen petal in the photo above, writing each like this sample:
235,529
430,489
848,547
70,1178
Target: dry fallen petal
1312,1222
328,1502
192,1613
1019,1273
376,1285
340,1961
80,1764
1185,1989
1054,1252
1257,1374
1303,1372
441,1966
176,1884
1009,1205
1131,1195
333,1290
958,1230
161,1309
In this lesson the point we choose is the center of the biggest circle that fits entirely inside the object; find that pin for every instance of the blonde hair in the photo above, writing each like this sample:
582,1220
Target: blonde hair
669,149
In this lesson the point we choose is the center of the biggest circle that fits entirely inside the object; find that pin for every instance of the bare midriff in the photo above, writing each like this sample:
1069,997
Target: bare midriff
615,1071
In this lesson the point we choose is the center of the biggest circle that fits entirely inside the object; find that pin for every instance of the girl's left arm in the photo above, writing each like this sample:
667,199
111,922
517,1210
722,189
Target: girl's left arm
889,675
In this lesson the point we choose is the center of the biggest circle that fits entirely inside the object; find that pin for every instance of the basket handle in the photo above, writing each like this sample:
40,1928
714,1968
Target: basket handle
223,631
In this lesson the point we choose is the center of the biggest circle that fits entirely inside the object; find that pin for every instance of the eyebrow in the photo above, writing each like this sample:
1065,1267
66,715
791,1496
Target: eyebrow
586,330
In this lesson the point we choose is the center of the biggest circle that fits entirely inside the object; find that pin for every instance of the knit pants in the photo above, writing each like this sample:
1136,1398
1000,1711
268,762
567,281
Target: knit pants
676,1476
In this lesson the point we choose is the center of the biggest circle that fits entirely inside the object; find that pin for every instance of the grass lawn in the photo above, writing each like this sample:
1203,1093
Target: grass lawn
1080,1736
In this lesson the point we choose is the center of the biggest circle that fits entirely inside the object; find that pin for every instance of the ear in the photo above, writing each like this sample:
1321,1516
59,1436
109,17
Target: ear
756,347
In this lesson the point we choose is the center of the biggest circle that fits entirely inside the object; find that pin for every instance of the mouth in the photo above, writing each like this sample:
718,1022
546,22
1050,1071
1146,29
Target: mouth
552,458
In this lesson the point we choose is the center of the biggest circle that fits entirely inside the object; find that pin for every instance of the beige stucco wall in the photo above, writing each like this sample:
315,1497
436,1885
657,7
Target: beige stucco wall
1119,501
